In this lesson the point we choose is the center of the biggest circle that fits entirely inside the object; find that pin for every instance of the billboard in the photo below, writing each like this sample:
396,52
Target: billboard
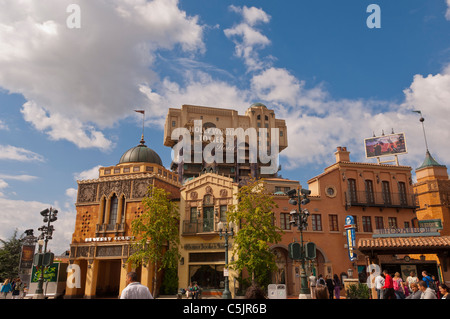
386,145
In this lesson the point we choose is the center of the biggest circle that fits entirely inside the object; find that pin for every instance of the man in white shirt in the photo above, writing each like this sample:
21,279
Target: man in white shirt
379,284
134,289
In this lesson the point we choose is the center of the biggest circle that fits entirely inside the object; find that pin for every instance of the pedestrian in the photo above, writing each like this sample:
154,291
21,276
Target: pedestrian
406,289
379,283
427,278
415,292
321,292
321,281
388,287
196,291
134,289
17,289
330,286
444,291
312,285
6,288
437,284
427,292
337,286
398,286
412,278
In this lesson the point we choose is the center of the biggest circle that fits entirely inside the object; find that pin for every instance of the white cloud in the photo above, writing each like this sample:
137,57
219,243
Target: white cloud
79,81
3,126
447,13
247,38
9,152
22,215
91,173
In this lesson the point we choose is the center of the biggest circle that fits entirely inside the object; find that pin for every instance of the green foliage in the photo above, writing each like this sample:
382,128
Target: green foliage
257,231
157,231
358,291
10,256
170,282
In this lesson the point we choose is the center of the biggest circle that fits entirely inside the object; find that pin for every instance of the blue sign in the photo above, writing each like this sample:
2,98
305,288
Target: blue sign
350,230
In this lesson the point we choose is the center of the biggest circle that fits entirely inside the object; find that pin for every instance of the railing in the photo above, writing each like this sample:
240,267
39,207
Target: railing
380,199
199,226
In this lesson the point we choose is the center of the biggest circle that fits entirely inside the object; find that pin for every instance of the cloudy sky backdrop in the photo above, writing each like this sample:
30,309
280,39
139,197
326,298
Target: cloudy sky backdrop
67,95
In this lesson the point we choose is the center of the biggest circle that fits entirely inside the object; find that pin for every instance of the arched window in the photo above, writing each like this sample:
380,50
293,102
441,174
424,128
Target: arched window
113,211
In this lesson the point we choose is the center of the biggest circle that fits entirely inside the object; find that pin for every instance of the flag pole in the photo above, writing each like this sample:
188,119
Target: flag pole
143,124
423,128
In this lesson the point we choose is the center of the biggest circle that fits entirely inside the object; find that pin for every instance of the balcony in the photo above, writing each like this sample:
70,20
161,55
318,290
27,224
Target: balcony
199,227
380,199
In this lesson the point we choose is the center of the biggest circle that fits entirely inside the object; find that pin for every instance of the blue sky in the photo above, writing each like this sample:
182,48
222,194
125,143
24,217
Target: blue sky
67,95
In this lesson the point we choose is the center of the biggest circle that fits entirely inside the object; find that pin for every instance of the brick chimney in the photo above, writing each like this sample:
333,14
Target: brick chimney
342,155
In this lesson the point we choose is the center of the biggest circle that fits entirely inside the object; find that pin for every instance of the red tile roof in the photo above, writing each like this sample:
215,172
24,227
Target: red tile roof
404,242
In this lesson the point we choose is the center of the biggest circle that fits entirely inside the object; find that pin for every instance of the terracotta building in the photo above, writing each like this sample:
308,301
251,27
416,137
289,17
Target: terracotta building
106,206
378,196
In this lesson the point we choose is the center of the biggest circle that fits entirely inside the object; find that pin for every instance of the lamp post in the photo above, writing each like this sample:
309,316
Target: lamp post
227,232
300,219
44,259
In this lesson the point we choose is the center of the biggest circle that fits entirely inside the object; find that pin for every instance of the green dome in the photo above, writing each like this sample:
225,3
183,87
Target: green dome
139,154
258,104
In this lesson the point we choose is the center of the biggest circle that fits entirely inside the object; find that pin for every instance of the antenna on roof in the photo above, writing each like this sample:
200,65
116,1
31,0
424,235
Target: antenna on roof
143,121
423,128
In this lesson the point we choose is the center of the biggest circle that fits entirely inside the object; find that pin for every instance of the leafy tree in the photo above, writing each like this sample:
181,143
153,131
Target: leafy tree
156,231
254,213
10,256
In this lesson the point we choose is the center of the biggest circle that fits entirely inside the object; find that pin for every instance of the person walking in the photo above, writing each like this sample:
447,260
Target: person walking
312,285
379,283
134,289
415,292
337,286
397,282
412,278
17,289
388,287
6,288
427,292
330,286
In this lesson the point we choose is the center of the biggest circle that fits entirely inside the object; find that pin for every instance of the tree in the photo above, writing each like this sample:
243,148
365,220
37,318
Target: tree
10,256
254,213
156,231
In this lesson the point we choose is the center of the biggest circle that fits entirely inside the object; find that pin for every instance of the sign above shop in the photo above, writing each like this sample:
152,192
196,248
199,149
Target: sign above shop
405,232
108,239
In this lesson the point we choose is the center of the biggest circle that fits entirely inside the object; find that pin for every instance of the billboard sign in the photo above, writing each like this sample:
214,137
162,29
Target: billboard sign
351,243
386,145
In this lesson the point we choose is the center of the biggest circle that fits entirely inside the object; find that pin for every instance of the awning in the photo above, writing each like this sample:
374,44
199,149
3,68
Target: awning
405,245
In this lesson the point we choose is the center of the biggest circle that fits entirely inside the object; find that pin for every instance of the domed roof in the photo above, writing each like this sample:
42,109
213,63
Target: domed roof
139,154
258,104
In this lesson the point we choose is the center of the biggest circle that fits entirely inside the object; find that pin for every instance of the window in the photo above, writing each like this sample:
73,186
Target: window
386,192
194,214
284,221
352,190
369,191
113,210
392,222
402,193
316,222
379,224
334,226
367,224
281,133
223,213
174,123
406,224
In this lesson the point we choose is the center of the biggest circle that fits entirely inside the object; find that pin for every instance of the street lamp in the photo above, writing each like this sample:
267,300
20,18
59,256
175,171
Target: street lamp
44,259
300,219
228,231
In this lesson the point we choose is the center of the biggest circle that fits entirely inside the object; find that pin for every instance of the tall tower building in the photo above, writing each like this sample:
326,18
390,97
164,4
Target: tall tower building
238,160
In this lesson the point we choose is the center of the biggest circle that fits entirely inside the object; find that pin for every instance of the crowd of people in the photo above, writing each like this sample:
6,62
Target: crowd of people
321,288
392,286
16,287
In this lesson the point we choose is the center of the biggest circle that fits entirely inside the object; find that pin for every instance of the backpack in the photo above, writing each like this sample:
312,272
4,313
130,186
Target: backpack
432,285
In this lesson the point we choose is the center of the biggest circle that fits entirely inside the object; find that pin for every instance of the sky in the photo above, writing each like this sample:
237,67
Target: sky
73,72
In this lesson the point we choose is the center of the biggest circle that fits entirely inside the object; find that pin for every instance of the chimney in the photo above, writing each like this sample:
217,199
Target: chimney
342,155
